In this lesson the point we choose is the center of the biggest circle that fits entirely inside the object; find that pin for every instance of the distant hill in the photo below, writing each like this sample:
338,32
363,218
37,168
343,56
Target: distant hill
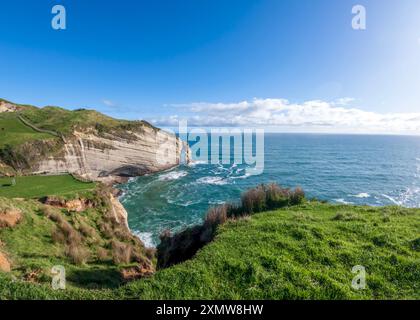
53,140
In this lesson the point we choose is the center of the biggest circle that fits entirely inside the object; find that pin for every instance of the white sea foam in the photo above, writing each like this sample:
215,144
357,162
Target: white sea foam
188,203
392,199
362,195
181,202
246,175
216,202
173,175
342,201
195,163
212,180
146,238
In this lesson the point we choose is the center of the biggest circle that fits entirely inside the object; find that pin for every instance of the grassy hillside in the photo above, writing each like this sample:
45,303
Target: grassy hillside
58,120
14,132
30,133
65,121
39,186
92,246
302,252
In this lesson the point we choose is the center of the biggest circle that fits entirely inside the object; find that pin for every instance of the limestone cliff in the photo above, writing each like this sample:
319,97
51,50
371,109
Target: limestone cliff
84,143
110,158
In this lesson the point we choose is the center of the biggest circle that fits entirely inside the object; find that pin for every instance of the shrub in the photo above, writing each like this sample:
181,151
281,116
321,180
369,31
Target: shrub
72,236
254,200
269,197
182,246
65,233
121,252
297,197
52,214
78,254
217,215
102,254
57,236
87,230
123,234
106,229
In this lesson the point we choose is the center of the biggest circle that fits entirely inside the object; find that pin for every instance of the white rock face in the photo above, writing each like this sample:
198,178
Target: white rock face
7,107
112,158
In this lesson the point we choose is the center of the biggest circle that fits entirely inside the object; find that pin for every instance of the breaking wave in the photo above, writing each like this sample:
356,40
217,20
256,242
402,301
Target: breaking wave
173,175
212,180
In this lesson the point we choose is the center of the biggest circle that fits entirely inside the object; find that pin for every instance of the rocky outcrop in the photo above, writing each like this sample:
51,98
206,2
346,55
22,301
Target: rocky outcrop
74,205
111,158
118,211
138,272
7,107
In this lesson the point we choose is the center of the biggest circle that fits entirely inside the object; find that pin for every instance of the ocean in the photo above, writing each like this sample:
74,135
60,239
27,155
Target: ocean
347,169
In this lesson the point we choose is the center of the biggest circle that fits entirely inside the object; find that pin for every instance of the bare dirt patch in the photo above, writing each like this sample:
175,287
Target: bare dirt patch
10,217
137,272
4,263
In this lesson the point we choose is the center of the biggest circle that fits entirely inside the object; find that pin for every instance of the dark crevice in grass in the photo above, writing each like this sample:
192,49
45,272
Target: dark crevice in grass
180,247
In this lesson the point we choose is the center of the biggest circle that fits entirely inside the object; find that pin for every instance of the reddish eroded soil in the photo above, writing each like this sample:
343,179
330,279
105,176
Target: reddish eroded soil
4,263
10,217
137,272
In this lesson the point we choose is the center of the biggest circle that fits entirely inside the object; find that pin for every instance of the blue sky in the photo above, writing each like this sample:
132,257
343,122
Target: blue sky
137,59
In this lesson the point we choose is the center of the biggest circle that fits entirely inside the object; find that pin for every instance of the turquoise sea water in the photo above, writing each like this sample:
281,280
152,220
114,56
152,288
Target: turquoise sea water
374,170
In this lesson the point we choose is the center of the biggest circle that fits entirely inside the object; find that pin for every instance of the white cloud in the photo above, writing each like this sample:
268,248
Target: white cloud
343,101
282,115
109,103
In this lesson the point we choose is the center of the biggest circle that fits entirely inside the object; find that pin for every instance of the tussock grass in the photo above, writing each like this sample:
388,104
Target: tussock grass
182,246
298,252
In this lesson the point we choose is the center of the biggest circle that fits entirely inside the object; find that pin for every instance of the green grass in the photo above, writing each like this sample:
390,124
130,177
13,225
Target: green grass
303,252
39,186
30,249
65,121
14,132
61,121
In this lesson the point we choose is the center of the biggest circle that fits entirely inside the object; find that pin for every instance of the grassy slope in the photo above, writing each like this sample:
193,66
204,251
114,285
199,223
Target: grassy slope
17,147
63,121
58,120
305,252
14,132
30,248
39,186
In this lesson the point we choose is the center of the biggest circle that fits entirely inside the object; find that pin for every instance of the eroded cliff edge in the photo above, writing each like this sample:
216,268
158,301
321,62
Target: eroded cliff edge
87,144
89,228
110,158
